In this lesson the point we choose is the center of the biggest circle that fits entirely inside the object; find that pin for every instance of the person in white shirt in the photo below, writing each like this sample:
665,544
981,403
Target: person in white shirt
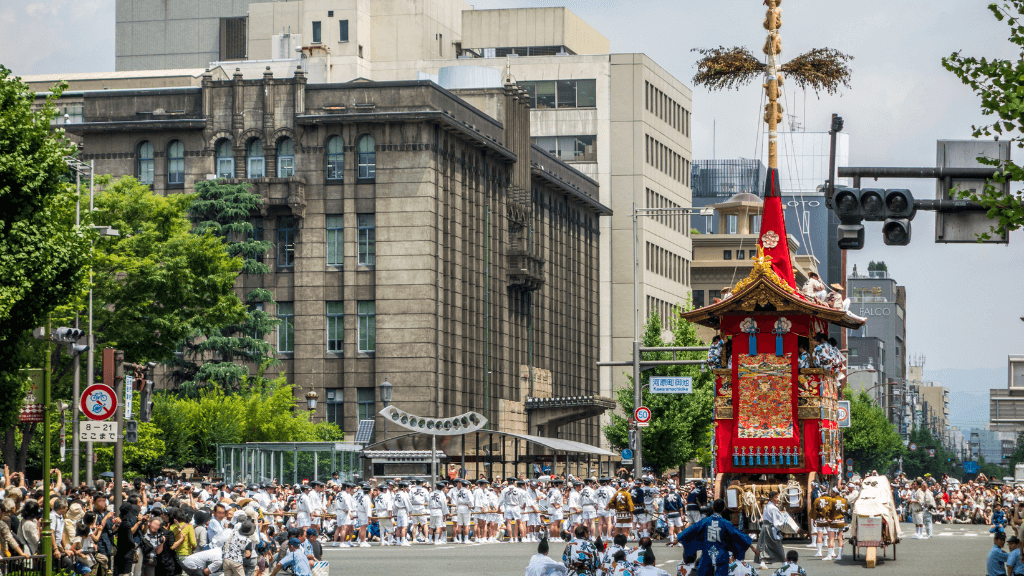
402,508
344,510
437,503
512,498
555,510
361,504
648,568
588,504
532,512
605,517
303,508
463,511
480,529
574,505
770,540
420,520
383,503
495,517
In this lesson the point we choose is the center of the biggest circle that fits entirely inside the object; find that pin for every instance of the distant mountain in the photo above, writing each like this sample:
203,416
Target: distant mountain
968,392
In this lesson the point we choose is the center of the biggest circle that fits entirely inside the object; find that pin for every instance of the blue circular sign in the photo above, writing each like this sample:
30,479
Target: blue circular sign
627,454
849,474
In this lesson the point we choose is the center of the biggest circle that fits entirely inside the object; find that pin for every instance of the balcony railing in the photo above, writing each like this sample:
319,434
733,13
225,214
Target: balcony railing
525,270
22,566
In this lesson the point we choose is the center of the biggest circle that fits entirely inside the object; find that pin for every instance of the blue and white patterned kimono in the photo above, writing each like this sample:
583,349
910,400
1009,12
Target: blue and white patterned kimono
581,558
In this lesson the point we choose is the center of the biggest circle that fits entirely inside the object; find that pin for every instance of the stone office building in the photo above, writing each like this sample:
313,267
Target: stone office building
418,237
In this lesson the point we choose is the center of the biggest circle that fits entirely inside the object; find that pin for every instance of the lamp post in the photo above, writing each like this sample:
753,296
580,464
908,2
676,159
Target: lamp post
386,389
311,398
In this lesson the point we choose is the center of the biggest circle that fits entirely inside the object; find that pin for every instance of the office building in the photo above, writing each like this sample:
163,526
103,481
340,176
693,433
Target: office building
874,295
994,446
1006,405
418,236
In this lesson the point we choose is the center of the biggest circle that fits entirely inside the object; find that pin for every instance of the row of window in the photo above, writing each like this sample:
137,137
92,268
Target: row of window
569,148
666,160
255,160
664,310
334,399
366,337
677,222
732,224
672,113
740,254
667,264
561,93
366,238
318,31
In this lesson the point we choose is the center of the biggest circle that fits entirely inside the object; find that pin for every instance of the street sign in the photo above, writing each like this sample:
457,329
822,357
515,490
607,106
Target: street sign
913,447
931,452
843,413
627,454
97,432
128,381
98,402
671,385
627,462
849,461
849,474
642,415
970,467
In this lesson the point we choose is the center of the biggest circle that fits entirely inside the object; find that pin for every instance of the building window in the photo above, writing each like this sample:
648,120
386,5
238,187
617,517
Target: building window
335,158
708,225
731,223
561,93
342,30
367,311
146,162
335,239
286,242
367,224
366,400
286,328
335,399
255,160
285,158
727,255
316,32
360,50
569,148
367,157
698,299
805,224
740,255
755,224
335,326
233,38
176,163
225,160
255,233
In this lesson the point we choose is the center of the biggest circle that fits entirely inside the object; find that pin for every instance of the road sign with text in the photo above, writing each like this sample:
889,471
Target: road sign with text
671,385
97,432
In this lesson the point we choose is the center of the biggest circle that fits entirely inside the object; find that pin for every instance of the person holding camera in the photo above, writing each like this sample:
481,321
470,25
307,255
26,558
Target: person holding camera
158,559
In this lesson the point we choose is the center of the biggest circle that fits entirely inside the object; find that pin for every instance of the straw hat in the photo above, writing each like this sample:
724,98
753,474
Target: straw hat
837,287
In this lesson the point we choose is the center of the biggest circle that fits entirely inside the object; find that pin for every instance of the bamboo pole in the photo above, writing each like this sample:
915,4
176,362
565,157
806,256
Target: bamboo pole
773,80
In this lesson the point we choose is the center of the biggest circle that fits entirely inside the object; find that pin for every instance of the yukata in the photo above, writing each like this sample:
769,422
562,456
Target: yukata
822,356
581,558
541,565
716,538
790,569
715,355
741,568
805,359
621,568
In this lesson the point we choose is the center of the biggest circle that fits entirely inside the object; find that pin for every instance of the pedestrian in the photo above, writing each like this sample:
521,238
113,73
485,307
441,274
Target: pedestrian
791,568
238,547
996,563
580,556
294,559
716,538
542,565
769,543
649,569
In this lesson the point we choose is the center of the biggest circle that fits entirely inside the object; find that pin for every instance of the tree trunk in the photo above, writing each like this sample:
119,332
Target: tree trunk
7,450
26,439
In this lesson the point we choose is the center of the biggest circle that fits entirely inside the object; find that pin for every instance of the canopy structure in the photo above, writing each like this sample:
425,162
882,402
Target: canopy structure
286,462
492,453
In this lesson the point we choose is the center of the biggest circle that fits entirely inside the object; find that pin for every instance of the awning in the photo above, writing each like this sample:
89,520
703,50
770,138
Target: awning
484,442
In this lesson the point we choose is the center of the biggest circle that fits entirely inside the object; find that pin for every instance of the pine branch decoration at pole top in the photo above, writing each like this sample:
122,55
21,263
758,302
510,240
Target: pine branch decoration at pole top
821,69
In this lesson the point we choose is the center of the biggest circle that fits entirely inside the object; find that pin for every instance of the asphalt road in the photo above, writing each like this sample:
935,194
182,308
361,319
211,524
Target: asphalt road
953,551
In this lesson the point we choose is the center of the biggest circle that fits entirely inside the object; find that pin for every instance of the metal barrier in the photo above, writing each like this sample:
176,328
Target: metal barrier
22,566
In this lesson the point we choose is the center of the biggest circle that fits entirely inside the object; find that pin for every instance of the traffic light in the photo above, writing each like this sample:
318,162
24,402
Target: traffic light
855,205
131,431
67,334
146,401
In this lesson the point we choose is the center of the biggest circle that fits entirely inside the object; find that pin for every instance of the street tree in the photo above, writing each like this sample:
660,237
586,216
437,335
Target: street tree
999,84
871,440
681,424
921,461
222,355
42,254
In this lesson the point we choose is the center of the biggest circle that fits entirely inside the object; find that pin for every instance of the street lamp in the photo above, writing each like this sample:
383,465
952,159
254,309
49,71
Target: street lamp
311,398
386,389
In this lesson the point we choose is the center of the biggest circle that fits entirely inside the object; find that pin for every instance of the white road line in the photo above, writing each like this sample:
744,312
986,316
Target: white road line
971,534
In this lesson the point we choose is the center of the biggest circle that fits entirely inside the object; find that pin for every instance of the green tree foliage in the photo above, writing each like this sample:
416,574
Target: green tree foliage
871,440
920,462
157,283
877,266
999,84
681,424
191,428
143,458
42,255
221,356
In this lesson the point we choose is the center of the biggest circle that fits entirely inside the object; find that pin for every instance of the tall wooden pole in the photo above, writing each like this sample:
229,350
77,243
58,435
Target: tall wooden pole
773,81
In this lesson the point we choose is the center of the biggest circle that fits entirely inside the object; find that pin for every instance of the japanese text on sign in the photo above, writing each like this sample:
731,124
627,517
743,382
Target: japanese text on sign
97,431
671,385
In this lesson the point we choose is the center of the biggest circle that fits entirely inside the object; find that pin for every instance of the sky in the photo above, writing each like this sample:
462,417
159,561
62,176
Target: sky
963,301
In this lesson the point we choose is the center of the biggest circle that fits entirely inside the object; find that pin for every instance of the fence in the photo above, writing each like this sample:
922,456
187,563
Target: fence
22,566
287,462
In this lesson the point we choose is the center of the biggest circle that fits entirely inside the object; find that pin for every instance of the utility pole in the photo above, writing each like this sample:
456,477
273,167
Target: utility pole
119,419
45,532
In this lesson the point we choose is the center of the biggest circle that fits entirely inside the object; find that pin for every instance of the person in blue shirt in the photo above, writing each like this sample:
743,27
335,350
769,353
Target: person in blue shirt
996,563
998,519
716,538
295,560
1013,563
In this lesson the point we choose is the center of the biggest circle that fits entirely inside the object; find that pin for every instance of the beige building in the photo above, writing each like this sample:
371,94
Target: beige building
583,100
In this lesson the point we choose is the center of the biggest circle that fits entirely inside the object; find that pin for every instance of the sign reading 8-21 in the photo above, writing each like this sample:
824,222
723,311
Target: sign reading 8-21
97,431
